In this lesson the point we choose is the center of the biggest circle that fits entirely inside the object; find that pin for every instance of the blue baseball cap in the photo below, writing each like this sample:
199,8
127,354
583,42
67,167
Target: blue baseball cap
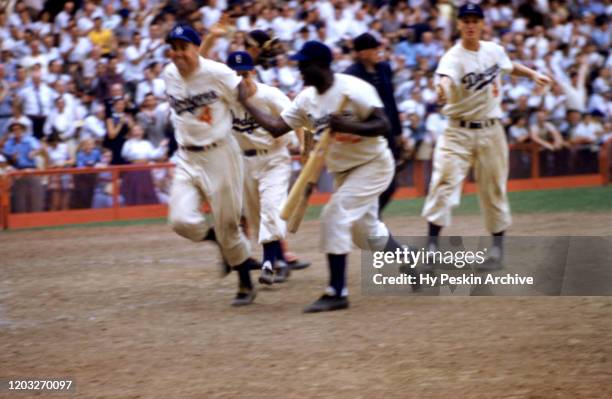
470,9
240,61
185,33
313,51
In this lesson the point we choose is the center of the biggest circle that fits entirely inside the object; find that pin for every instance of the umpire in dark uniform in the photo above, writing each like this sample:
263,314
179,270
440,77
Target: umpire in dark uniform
370,67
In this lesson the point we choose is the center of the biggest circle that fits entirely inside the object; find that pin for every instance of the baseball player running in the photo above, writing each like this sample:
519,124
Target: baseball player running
268,169
263,50
469,83
359,158
209,164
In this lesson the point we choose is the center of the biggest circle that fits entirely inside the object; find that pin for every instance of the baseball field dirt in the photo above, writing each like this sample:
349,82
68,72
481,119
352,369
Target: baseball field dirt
138,312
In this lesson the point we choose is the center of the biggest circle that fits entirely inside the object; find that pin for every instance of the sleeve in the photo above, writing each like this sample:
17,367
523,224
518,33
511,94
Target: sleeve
227,80
295,115
364,99
504,61
448,67
278,101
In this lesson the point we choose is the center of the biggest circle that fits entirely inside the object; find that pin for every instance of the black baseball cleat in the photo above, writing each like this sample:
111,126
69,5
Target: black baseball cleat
298,264
244,297
267,274
282,272
327,303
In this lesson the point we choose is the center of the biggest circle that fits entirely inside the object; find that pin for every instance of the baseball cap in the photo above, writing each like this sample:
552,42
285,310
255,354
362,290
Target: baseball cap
16,122
470,9
240,61
365,41
185,33
313,51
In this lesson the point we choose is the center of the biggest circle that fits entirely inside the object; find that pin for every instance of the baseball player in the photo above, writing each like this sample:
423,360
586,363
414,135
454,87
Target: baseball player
469,83
209,165
359,158
267,170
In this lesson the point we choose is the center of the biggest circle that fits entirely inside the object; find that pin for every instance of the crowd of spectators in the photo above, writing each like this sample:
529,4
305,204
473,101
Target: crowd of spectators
80,79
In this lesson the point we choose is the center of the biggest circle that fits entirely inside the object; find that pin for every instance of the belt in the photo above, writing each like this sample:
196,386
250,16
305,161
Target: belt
252,153
474,124
199,148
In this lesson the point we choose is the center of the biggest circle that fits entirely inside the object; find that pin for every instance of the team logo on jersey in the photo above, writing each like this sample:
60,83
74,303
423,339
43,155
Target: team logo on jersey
478,81
244,125
322,123
192,103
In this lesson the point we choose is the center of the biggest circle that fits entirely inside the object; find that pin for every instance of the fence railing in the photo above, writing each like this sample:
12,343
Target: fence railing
48,197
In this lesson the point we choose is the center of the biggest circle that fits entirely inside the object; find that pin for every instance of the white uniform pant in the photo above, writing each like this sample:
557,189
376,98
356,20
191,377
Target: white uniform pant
216,176
351,215
458,149
265,191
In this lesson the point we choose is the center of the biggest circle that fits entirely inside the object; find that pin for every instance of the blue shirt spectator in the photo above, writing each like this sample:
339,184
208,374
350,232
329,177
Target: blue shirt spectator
89,158
21,148
408,51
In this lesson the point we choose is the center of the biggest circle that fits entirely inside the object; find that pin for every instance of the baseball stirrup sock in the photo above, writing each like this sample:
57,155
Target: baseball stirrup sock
244,276
270,252
337,272
434,233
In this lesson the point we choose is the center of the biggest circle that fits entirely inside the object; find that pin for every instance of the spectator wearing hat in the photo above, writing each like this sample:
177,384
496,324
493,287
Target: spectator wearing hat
21,150
370,67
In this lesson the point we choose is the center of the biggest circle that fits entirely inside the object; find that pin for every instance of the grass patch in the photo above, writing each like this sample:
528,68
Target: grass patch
588,199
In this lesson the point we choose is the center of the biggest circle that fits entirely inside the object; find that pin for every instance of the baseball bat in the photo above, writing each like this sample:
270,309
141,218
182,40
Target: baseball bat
297,201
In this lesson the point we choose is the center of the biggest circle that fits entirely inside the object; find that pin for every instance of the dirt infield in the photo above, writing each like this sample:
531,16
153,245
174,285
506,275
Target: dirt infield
138,312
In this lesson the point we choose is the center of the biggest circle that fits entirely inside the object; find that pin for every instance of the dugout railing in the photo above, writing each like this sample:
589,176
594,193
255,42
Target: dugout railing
52,197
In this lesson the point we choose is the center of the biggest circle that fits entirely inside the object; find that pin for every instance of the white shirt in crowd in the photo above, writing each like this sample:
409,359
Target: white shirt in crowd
210,16
311,110
476,92
134,72
37,101
155,86
141,149
93,127
59,154
61,122
201,104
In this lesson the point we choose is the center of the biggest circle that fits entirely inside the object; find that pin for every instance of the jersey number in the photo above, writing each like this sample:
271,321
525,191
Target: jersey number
205,115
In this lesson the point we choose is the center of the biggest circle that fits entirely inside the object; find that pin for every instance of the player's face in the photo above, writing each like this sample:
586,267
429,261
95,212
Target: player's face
371,56
311,73
470,27
184,55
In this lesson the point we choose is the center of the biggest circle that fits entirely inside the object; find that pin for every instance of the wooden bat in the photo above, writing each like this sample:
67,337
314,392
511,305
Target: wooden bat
297,201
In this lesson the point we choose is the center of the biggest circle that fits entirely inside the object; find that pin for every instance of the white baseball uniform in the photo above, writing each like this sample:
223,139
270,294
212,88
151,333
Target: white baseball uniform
267,162
474,138
209,164
362,166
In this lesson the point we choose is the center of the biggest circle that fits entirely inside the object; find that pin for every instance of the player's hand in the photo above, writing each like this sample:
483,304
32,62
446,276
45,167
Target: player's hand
542,80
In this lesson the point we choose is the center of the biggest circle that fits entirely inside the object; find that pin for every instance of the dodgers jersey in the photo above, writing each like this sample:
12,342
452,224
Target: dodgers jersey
201,103
312,111
247,131
476,75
